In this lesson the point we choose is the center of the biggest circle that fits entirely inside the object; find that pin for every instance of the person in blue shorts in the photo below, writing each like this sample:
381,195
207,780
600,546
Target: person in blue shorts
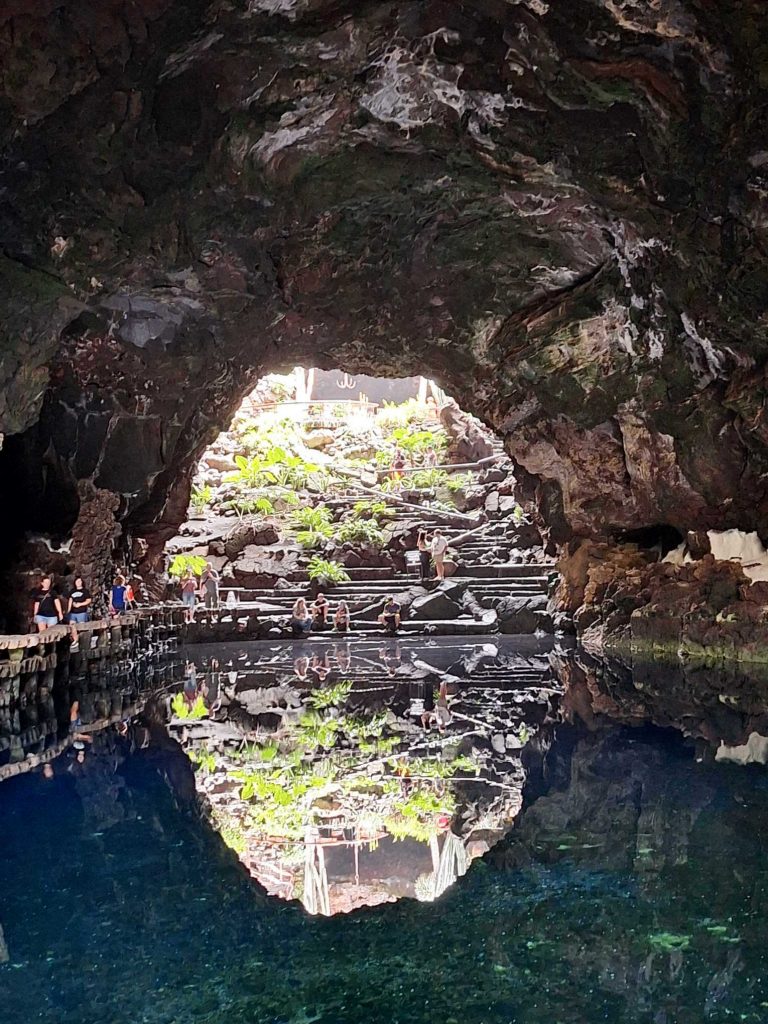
47,610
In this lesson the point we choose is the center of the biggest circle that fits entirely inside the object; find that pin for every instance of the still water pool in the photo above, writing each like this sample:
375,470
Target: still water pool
634,888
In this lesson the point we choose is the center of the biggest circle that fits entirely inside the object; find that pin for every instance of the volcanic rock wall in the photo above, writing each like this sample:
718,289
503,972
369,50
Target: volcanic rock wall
556,208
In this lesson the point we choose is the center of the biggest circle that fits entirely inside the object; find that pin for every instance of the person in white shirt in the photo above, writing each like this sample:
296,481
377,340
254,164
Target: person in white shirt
438,547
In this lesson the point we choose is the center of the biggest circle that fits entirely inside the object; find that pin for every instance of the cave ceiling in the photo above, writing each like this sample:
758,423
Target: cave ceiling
557,209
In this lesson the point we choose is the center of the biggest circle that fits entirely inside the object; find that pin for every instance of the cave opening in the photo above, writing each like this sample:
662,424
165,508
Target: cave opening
330,479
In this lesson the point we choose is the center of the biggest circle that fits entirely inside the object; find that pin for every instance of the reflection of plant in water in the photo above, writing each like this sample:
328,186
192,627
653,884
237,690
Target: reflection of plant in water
668,942
182,709
334,765
331,696
415,817
204,759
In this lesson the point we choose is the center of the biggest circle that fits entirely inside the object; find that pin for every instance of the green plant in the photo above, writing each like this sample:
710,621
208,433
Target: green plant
316,518
364,531
245,506
314,525
205,760
183,565
200,497
458,481
327,570
181,708
372,510
393,415
428,479
416,442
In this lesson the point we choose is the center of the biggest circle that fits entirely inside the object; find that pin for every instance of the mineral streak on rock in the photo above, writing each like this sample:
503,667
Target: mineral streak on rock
558,209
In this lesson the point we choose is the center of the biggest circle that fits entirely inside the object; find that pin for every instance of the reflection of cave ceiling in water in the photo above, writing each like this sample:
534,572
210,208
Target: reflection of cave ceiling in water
353,775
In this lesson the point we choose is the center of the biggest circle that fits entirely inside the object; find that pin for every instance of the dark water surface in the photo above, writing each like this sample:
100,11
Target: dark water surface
634,889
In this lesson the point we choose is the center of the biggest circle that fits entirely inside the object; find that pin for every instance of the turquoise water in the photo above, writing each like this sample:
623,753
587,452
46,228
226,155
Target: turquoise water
634,890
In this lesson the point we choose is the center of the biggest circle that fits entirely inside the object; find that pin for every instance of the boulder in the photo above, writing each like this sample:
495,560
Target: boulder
524,614
264,566
319,439
245,534
221,463
437,605
404,598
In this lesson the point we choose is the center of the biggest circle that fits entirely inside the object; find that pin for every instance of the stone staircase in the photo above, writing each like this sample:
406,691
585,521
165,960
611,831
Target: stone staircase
490,575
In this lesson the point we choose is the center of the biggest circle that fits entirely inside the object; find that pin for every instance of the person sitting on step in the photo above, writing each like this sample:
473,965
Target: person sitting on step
341,618
390,615
301,620
320,610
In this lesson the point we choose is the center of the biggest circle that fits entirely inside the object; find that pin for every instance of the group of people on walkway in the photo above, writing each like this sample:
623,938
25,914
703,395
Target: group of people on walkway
53,604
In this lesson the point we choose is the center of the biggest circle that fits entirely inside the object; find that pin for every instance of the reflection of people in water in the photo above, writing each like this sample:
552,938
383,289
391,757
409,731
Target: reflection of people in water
190,683
213,688
343,657
441,715
76,726
391,656
322,669
300,667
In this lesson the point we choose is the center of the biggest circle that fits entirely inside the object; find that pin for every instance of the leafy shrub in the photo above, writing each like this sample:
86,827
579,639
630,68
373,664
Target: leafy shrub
428,479
200,497
182,565
315,525
331,696
393,415
327,570
365,531
458,481
372,510
416,442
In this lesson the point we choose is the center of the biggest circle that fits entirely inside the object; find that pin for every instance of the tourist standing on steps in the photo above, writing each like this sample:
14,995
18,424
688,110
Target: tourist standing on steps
439,546
301,620
425,557
47,609
209,587
320,610
189,597
390,615
341,618
117,596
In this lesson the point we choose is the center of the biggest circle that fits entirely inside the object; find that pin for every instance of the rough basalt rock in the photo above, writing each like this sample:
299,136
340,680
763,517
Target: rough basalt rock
556,209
